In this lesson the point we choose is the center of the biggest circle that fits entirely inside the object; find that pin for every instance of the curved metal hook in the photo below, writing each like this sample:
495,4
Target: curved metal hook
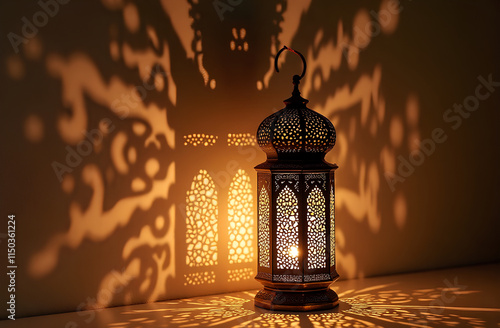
295,52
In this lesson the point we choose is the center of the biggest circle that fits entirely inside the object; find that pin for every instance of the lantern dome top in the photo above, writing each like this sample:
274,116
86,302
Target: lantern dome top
296,132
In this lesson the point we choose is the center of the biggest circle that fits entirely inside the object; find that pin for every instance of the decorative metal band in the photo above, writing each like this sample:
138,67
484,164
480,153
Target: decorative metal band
264,275
319,177
287,278
303,298
317,277
287,177
264,295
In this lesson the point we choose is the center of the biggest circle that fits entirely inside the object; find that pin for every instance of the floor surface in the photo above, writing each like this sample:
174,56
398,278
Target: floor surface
460,297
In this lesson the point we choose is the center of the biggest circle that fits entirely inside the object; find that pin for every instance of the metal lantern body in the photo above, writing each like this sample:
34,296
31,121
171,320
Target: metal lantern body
296,220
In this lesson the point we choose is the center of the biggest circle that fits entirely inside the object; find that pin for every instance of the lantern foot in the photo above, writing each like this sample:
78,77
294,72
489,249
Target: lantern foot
300,300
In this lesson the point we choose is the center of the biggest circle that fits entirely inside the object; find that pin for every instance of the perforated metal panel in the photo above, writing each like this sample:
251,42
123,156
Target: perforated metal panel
316,230
296,208
264,235
297,131
287,240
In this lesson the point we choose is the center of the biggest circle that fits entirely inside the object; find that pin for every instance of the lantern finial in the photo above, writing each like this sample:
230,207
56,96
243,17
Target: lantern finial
295,98
296,132
295,77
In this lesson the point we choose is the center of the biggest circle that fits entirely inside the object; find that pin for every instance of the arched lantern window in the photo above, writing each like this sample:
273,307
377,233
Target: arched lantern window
295,192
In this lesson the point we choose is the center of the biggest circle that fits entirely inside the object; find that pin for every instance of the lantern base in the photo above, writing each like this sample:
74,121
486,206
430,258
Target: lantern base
299,300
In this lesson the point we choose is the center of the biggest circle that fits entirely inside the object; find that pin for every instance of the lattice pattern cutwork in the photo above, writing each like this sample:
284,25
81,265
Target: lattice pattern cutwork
240,139
316,230
316,277
199,278
293,131
264,131
264,237
240,216
317,139
287,278
201,221
240,274
200,139
287,239
332,227
288,132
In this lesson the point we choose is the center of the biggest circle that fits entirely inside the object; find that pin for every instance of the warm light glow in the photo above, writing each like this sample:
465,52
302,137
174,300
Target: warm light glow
288,131
317,135
316,230
383,305
201,221
238,42
240,139
332,226
94,222
240,216
200,312
127,192
294,251
264,237
273,320
240,274
200,139
33,128
198,278
287,229
131,17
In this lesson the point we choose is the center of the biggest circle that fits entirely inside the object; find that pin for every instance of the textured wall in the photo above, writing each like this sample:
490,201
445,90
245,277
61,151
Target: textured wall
127,139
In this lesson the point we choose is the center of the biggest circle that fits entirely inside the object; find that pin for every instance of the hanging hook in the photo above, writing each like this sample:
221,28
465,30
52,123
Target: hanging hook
295,52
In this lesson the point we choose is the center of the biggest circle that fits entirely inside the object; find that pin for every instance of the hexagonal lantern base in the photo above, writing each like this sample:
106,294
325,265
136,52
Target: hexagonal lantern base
299,300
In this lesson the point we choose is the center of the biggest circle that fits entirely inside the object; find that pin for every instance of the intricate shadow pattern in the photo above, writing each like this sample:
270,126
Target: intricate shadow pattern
376,306
143,136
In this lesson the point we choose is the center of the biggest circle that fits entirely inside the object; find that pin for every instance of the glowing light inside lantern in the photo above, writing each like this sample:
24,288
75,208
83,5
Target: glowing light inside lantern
295,185
294,251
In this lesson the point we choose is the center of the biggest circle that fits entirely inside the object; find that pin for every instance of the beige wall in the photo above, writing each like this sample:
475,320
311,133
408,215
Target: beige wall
116,229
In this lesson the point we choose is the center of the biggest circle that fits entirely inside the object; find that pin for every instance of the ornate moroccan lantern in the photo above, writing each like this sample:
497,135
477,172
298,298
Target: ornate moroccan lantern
296,220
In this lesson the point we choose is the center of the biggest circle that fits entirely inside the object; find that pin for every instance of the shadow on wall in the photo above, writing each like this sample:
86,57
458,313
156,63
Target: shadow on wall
131,129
